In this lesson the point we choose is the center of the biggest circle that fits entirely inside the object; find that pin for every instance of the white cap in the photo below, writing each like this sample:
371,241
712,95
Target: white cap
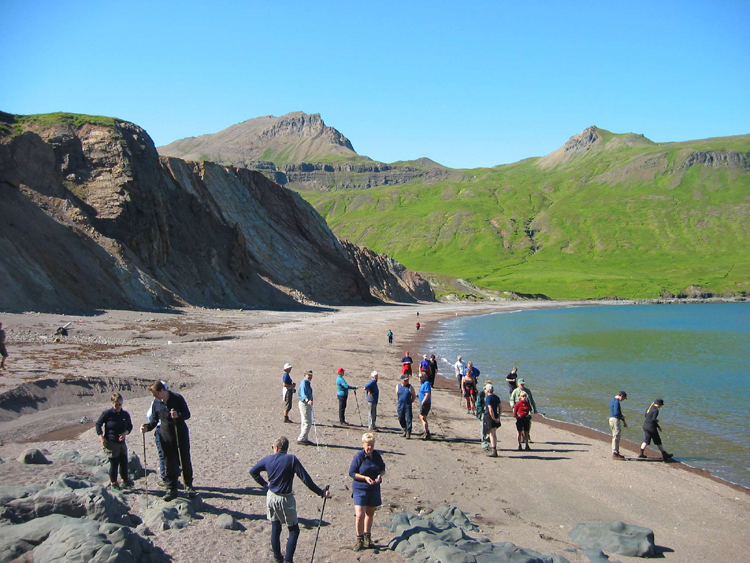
374,374
489,388
287,366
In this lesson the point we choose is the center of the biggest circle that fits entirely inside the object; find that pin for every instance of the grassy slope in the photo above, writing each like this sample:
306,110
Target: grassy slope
622,220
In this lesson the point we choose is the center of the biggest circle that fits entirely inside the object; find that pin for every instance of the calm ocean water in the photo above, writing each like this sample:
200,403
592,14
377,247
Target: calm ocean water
696,357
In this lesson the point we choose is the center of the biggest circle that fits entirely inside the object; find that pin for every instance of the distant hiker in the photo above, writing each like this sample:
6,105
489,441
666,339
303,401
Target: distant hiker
481,403
281,506
3,349
405,396
492,418
289,388
418,327
512,380
433,370
522,414
616,422
156,406
305,407
469,386
651,430
425,403
175,437
112,427
390,337
342,392
406,363
373,395
366,469
459,368
424,364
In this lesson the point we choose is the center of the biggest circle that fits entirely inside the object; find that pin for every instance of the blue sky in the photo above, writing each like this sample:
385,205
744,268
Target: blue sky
468,84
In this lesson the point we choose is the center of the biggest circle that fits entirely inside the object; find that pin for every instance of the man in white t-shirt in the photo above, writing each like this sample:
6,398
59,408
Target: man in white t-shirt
459,368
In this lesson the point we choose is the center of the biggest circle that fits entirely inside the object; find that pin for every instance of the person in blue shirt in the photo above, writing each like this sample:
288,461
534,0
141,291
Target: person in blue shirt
405,396
112,427
281,507
390,337
424,364
288,390
305,408
373,395
342,392
425,403
616,422
366,470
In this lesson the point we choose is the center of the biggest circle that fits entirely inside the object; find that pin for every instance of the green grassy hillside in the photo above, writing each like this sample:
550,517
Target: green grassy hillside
616,216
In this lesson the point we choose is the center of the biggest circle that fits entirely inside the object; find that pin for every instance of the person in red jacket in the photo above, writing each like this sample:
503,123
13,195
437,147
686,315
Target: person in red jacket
522,412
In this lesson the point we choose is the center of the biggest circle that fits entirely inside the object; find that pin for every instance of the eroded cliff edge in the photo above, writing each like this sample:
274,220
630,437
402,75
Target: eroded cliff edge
92,217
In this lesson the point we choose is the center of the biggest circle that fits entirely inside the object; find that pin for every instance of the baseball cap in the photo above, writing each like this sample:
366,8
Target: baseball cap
623,394
309,372
340,370
521,381
659,402
374,373
287,366
405,376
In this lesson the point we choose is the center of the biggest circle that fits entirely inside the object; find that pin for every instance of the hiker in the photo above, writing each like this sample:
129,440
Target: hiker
459,368
3,349
616,422
405,396
366,470
406,362
651,430
522,414
157,405
433,370
424,364
514,398
112,427
390,337
373,395
288,390
492,417
425,403
281,507
512,380
481,403
342,392
418,325
469,387
175,438
305,408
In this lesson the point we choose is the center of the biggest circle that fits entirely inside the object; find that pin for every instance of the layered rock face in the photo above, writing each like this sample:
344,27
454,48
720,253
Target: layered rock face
93,218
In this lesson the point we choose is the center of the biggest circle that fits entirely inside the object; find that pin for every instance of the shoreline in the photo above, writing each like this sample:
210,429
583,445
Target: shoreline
580,429
231,385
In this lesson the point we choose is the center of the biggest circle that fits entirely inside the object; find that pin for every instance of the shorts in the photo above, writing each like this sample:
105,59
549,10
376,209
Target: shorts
115,449
651,433
288,396
369,497
424,409
3,351
488,423
469,391
523,423
282,508
405,369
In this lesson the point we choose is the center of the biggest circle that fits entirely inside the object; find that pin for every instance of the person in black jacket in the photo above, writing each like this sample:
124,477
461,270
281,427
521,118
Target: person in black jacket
175,437
112,427
651,430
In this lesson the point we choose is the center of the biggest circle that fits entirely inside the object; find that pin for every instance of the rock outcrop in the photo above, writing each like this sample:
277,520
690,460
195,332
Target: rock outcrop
93,218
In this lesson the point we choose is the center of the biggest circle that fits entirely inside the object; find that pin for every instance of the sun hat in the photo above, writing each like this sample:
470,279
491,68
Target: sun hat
287,365
659,402
374,374
340,370
309,372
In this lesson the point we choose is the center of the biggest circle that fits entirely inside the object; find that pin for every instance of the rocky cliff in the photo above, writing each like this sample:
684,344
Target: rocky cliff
300,151
92,217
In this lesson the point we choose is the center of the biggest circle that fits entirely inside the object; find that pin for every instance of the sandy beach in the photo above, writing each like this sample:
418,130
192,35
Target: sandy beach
228,365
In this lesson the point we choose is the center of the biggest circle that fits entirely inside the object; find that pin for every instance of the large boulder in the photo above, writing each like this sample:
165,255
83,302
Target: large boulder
174,514
33,456
615,537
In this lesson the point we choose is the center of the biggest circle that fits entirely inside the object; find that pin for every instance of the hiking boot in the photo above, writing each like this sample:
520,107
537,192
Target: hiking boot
666,457
127,483
617,455
344,423
427,436
359,546
114,486
493,453
367,544
642,455
528,449
408,435
403,434
287,419
191,492
304,442
520,449
171,495
164,484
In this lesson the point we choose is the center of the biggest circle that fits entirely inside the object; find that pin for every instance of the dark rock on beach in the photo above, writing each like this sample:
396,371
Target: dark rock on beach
615,537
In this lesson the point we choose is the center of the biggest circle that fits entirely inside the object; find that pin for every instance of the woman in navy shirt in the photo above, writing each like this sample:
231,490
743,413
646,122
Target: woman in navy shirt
367,470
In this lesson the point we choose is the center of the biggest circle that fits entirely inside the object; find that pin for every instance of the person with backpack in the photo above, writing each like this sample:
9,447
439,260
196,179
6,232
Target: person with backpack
492,418
522,414
373,395
651,430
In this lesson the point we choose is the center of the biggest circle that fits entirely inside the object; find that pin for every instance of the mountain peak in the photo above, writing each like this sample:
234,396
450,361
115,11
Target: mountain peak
591,139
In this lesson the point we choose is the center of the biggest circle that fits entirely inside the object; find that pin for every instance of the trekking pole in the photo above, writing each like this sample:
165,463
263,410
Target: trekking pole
320,521
315,429
145,465
179,451
358,411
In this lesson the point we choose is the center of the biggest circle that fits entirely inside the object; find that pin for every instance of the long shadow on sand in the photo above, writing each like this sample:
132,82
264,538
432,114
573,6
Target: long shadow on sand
567,444
230,494
535,457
